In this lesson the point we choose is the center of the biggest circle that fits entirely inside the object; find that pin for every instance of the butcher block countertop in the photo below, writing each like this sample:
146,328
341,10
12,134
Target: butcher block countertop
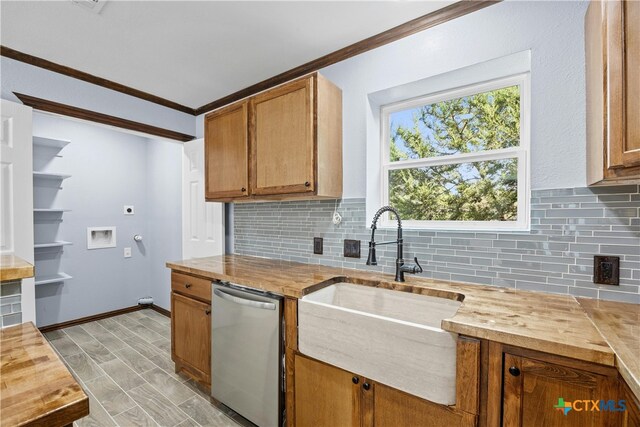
36,388
14,268
556,324
619,324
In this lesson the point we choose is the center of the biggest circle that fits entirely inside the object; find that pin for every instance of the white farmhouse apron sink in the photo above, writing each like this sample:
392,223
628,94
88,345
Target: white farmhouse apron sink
389,336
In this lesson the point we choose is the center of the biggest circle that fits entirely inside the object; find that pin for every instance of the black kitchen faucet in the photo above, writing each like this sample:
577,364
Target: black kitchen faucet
401,267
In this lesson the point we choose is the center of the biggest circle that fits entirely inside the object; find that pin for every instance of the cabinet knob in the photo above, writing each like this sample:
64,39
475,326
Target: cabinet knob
187,285
355,380
243,189
207,312
307,184
514,371
366,386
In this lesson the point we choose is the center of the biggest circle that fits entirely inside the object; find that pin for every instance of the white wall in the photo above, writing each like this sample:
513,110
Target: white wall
29,80
109,169
554,33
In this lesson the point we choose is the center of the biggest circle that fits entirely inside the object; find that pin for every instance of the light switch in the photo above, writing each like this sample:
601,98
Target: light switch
127,252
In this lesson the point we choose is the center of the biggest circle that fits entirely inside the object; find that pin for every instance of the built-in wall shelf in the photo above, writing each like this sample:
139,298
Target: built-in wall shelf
50,142
51,210
50,175
55,278
47,218
59,243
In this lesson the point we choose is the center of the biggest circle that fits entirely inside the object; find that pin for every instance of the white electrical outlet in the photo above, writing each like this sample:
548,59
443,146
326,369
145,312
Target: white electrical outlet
127,252
129,210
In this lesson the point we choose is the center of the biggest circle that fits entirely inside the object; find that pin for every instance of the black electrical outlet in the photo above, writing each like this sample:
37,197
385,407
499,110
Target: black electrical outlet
352,248
317,245
606,270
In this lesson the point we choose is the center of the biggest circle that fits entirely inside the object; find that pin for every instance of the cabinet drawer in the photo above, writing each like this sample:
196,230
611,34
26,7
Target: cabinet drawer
196,287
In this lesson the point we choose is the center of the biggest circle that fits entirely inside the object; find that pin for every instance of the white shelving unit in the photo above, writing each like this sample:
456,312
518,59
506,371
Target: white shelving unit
41,141
50,175
50,210
56,244
46,218
55,278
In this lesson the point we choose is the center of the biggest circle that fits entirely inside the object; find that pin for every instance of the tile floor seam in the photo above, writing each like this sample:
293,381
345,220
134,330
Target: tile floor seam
143,410
86,390
156,351
108,376
83,384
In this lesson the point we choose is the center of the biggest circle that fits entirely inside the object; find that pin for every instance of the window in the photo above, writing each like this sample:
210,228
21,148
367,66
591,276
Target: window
458,159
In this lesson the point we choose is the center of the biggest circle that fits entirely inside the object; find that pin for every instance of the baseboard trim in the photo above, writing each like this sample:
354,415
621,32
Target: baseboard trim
161,310
92,318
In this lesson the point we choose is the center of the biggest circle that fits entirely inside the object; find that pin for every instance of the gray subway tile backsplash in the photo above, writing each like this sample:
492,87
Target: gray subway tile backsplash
568,228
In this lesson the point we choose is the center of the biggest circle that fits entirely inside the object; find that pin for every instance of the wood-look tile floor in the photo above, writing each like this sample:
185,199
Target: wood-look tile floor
124,365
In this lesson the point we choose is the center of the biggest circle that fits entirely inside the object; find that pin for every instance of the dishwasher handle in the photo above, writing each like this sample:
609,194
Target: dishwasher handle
242,301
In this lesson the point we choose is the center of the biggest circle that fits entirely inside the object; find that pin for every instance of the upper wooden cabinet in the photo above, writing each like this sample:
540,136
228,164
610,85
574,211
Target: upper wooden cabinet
612,30
227,152
292,135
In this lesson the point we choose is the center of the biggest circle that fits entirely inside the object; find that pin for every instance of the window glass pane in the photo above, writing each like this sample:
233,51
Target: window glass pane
480,122
477,191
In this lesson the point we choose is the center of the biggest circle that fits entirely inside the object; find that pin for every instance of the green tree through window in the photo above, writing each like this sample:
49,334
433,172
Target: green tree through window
483,190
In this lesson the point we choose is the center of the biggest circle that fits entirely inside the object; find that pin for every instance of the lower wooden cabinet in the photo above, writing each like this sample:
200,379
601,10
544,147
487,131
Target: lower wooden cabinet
329,396
394,408
325,395
630,417
535,389
191,337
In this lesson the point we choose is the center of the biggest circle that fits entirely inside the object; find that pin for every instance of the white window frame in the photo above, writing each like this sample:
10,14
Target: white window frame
521,153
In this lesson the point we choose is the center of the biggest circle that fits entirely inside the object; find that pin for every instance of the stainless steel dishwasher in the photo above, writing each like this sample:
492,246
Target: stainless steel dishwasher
246,352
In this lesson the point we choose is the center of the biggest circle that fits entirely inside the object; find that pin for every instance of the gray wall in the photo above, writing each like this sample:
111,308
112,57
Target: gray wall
27,79
553,31
109,169
164,203
569,226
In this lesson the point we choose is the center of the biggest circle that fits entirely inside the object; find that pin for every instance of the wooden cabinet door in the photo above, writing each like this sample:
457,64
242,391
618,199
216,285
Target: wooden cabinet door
325,395
283,154
226,152
631,417
623,83
532,389
394,408
191,335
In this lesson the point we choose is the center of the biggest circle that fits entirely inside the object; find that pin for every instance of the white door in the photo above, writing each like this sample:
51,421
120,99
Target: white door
202,222
16,193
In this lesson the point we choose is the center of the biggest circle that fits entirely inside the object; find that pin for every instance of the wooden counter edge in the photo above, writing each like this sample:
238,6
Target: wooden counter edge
15,268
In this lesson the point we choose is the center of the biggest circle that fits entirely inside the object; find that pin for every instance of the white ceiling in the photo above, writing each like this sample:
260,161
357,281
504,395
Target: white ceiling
194,52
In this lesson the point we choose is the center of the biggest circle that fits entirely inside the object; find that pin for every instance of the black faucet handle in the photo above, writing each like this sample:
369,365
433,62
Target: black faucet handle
418,268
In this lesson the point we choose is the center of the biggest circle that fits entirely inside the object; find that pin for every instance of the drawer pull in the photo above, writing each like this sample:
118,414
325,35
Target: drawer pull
187,285
355,380
514,371
307,184
207,312
366,386
243,189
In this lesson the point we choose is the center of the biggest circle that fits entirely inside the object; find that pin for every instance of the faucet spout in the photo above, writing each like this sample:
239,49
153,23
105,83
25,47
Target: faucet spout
401,268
